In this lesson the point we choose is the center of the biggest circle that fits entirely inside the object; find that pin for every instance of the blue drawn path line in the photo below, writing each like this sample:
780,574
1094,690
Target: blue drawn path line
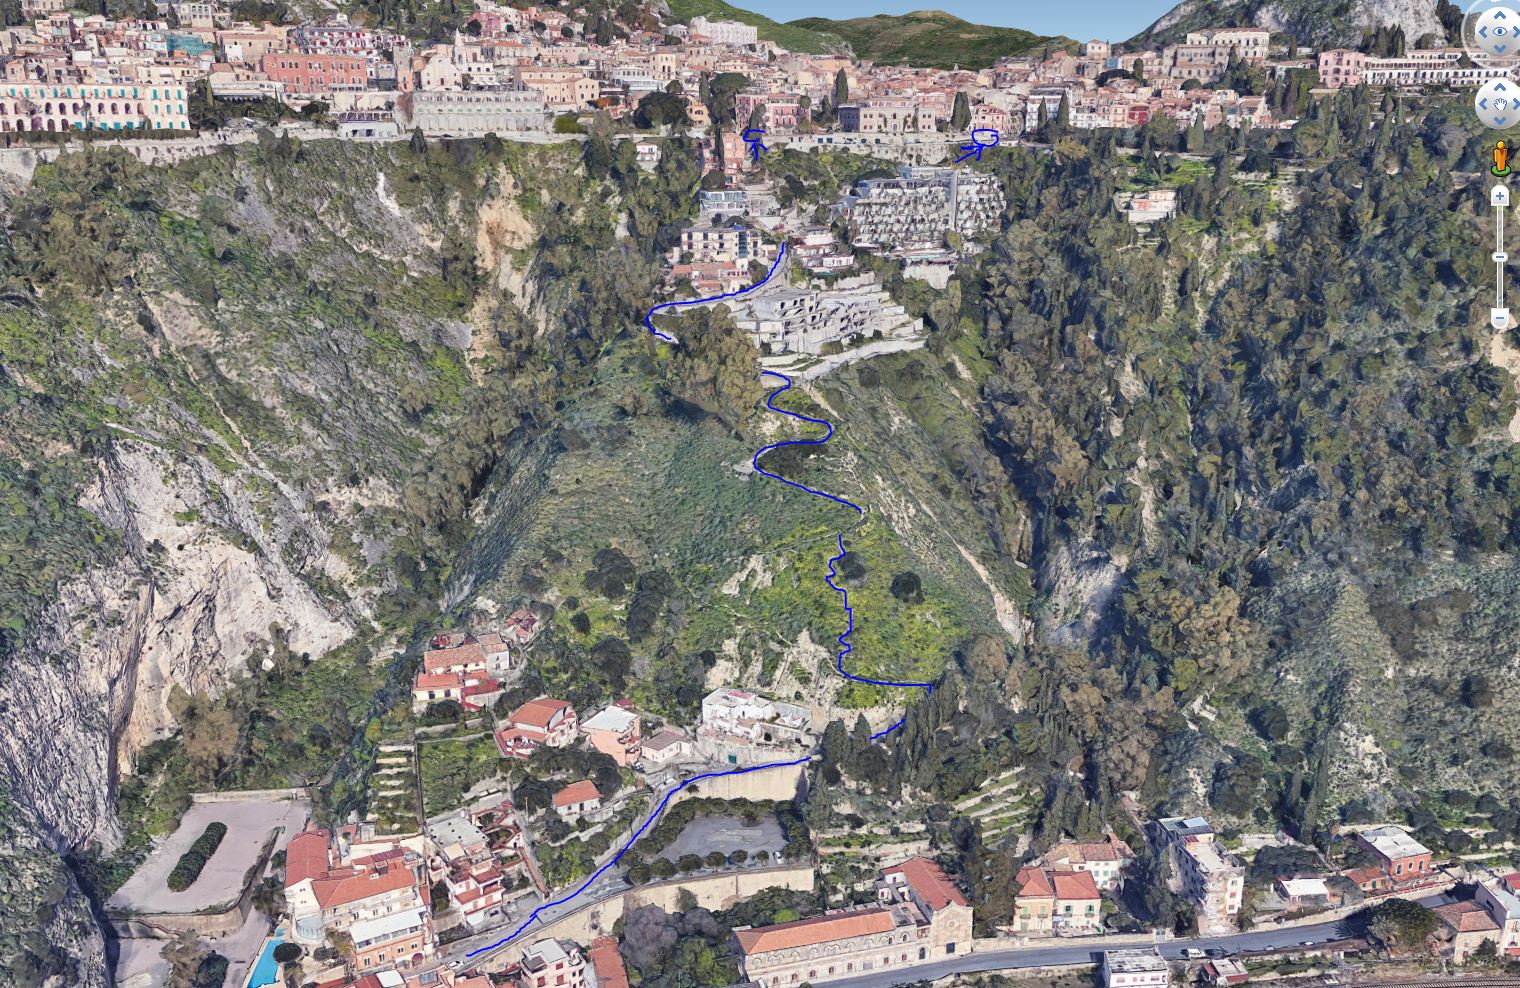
649,316
843,639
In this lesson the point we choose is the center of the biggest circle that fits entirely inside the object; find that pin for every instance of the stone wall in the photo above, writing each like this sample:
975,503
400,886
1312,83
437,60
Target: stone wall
782,783
597,918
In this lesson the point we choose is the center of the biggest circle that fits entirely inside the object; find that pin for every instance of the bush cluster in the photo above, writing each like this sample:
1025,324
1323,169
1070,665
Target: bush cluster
189,866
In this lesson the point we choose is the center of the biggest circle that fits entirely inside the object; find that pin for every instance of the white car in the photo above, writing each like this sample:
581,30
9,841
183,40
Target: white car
1192,953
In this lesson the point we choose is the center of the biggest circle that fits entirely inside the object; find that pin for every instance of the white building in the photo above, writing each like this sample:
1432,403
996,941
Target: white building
475,112
1203,871
806,320
725,32
741,727
1137,968
921,205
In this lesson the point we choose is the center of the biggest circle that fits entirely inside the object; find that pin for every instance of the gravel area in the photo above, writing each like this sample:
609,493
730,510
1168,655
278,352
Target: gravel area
249,823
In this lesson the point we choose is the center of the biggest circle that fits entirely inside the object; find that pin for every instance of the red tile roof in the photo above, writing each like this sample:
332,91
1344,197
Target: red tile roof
608,963
577,792
537,713
819,929
306,856
438,681
1466,917
471,655
1034,884
1074,885
337,891
930,882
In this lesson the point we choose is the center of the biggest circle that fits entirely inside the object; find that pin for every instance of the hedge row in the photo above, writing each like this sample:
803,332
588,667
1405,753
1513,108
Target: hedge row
189,866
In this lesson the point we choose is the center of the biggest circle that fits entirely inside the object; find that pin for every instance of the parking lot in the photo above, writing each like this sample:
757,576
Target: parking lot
249,823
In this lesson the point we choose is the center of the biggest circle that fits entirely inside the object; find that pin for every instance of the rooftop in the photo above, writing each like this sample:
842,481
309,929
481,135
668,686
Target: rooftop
1134,961
577,792
818,929
614,719
1393,842
929,882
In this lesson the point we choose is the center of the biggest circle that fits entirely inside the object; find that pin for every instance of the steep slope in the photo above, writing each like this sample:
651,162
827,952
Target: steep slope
930,38
1316,22
793,37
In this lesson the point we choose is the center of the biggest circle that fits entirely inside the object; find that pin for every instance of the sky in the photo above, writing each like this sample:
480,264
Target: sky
1110,20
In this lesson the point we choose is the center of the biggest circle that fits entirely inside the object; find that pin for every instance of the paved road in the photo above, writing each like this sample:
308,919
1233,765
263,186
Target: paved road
1086,952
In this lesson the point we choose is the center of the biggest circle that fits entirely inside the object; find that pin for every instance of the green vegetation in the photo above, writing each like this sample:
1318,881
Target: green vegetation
453,767
188,868
931,38
792,37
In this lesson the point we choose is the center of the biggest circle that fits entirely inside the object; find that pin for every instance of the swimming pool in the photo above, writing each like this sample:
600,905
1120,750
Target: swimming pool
266,971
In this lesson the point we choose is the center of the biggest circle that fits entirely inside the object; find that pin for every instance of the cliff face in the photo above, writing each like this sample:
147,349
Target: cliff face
222,452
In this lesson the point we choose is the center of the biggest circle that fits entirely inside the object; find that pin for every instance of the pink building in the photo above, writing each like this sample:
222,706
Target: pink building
1341,68
314,76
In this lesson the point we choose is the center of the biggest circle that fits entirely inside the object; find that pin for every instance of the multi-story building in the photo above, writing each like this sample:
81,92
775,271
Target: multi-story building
724,32
921,917
1340,68
921,205
1063,903
474,112
552,964
741,727
31,107
779,112
1250,44
667,745
540,722
563,87
615,731
901,116
1105,860
808,320
1202,870
314,77
375,899
1141,967
1401,857
731,244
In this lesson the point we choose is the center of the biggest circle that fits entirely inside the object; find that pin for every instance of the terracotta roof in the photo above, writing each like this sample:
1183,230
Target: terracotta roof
445,658
1466,917
577,792
819,929
930,882
1074,885
438,681
538,713
1034,884
305,856
351,888
607,962
1363,875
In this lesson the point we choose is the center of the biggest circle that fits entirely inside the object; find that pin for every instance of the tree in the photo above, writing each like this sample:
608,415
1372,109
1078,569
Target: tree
688,863
269,897
663,869
715,859
659,109
1401,924
960,115
841,89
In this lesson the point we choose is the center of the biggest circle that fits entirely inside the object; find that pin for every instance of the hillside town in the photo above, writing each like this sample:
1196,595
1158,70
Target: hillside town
459,884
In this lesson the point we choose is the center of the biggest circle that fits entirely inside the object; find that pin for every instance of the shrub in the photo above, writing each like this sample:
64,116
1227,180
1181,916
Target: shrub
189,866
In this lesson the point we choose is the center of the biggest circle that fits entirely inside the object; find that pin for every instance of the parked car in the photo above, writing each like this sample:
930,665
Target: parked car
1192,953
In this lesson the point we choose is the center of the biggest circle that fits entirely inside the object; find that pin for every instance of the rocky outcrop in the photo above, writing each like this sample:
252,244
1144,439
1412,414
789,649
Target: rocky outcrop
1310,21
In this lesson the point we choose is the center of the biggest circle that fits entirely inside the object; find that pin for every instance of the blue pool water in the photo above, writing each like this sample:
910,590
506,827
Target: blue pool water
266,971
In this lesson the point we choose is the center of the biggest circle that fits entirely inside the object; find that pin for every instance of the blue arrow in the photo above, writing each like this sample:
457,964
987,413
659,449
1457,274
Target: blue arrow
1499,87
1499,121
1483,103
1482,32
1499,49
975,150
1498,15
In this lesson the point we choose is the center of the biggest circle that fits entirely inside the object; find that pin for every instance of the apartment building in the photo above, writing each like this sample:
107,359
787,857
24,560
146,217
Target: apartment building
563,87
31,107
552,964
1056,903
733,244
615,731
900,116
921,205
1340,68
314,77
1401,857
1141,967
807,320
723,32
1105,860
921,917
376,899
474,112
741,727
1202,870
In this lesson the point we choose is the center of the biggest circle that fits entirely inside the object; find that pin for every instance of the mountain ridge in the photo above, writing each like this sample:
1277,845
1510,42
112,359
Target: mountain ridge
1318,22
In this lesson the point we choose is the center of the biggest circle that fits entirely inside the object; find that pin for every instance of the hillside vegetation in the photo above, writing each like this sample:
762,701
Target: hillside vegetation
930,38
793,37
